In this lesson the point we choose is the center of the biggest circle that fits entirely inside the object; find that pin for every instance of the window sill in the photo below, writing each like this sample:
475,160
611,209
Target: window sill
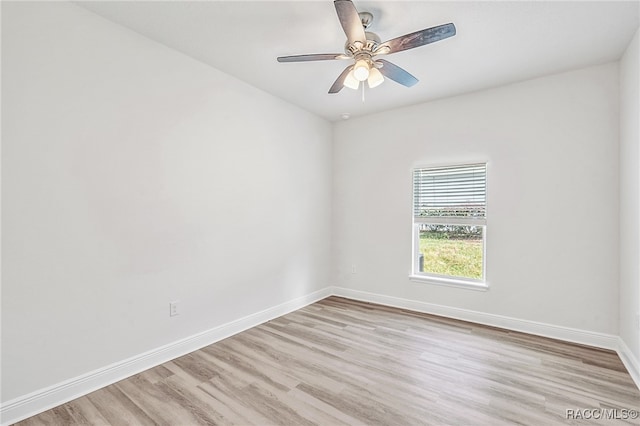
449,282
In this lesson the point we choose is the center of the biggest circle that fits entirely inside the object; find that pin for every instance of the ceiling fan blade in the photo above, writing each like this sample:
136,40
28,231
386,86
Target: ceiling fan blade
396,73
339,83
312,57
350,21
417,39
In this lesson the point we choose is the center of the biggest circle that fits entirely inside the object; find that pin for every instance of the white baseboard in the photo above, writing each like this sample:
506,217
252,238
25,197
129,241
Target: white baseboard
629,360
44,399
590,338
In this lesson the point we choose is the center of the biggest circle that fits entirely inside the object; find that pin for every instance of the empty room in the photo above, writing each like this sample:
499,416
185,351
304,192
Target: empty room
320,213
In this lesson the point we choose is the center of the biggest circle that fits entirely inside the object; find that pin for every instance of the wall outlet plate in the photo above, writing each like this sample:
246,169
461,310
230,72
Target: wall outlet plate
174,308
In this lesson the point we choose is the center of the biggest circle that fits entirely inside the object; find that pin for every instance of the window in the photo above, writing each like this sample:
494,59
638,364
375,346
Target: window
449,224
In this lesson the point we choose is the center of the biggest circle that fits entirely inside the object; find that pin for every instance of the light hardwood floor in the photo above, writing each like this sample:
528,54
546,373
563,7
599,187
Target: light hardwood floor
344,362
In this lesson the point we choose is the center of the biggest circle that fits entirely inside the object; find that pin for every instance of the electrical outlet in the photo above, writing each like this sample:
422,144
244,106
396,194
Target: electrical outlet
354,269
174,308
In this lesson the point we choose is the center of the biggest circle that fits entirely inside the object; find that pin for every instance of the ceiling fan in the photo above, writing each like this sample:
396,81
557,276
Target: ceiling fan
364,47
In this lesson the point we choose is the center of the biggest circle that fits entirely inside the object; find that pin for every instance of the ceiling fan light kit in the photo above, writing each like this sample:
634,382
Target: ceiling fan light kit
364,47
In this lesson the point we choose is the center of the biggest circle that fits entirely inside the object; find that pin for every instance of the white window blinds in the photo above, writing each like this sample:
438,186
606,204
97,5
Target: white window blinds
455,194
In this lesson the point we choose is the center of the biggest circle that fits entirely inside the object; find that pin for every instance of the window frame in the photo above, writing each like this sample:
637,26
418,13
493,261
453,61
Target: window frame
438,279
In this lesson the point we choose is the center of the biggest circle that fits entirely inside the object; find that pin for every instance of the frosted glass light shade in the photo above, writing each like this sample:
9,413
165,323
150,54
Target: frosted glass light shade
361,70
351,81
375,78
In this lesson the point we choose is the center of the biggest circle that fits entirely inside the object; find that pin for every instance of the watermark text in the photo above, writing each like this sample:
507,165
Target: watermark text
601,414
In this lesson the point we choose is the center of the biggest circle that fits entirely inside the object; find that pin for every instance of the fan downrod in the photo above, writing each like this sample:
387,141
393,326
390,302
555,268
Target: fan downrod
366,18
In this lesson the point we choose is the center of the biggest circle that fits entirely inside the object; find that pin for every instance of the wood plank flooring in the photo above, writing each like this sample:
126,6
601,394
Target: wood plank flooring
344,362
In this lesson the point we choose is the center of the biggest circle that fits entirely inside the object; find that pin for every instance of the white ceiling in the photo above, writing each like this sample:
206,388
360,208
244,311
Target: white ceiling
497,43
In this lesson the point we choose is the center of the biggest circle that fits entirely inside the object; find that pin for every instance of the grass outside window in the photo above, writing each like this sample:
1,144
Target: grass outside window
454,252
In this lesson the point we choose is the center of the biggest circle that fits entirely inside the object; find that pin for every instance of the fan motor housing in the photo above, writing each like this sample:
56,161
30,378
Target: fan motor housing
372,43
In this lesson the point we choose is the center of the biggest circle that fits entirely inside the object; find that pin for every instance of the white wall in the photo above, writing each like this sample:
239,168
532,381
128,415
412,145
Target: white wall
552,238
630,197
132,176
